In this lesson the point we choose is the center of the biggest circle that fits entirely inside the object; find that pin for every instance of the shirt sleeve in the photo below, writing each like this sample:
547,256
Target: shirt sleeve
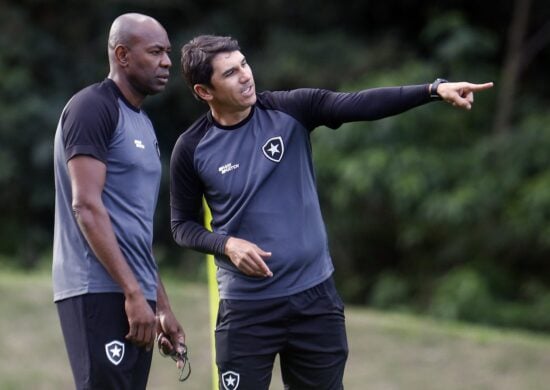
319,107
88,123
186,193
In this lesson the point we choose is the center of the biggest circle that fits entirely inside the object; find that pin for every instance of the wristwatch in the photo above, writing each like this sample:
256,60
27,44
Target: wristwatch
433,90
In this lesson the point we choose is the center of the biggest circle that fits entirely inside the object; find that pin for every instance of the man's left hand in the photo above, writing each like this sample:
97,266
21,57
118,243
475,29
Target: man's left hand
461,94
170,336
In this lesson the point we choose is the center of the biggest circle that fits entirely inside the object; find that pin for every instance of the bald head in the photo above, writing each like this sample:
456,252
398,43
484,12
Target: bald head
129,28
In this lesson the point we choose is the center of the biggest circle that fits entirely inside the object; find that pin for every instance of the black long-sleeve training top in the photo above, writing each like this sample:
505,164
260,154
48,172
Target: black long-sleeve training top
258,180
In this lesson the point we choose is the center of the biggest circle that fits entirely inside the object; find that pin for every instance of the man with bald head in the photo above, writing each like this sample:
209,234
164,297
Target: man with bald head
108,293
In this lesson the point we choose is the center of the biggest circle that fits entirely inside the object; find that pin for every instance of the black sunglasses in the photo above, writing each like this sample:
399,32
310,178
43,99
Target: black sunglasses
178,356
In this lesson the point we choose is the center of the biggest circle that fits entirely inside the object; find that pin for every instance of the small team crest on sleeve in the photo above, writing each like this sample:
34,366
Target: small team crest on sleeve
115,351
274,149
230,380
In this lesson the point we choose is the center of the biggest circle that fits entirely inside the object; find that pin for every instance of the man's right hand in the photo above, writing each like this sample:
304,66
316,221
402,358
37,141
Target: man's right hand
248,257
142,321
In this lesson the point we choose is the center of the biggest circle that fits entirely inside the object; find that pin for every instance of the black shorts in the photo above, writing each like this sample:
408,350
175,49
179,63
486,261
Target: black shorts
94,328
307,330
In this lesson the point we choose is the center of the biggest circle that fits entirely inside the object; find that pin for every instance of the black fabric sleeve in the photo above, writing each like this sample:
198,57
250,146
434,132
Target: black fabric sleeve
186,193
319,107
89,121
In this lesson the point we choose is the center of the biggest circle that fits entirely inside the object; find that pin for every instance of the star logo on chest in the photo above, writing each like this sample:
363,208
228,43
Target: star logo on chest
274,149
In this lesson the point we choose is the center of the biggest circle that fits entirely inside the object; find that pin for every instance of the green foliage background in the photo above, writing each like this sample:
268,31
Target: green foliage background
436,210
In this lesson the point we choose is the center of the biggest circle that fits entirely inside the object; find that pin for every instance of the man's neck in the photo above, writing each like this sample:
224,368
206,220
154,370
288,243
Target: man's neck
229,118
132,96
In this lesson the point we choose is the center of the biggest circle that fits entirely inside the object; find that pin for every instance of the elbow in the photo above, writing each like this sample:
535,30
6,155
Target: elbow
79,209
85,212
176,227
185,233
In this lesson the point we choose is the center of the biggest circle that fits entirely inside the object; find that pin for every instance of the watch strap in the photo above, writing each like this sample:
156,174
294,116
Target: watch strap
433,89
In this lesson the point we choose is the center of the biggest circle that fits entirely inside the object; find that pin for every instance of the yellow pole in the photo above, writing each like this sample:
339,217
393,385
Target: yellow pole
213,298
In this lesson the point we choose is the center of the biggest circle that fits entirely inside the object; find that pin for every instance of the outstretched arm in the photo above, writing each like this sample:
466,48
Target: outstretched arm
460,94
316,107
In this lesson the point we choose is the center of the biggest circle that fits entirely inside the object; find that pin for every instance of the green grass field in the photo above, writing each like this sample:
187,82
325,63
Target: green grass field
387,351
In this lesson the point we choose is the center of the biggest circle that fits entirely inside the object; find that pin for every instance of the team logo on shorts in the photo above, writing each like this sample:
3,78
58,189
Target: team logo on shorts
274,149
230,380
114,351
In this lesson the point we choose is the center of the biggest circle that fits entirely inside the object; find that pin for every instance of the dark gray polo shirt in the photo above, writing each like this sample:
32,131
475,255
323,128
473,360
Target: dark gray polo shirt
100,123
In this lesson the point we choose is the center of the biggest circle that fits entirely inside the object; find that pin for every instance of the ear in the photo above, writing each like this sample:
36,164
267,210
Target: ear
121,55
203,92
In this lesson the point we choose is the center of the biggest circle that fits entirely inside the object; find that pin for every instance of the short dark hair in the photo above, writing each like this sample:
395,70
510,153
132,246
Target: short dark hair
197,55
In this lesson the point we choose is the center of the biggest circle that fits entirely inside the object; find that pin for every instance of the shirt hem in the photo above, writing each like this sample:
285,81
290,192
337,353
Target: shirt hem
59,296
286,293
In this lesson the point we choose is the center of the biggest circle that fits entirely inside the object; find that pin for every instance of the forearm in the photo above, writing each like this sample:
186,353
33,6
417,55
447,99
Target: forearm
191,234
171,336
163,304
377,103
96,227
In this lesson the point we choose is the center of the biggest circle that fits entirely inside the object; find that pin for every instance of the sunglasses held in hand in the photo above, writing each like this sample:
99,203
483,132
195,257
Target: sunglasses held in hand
180,357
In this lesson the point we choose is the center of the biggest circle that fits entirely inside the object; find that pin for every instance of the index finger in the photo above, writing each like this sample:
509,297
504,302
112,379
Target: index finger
181,355
260,264
480,87
177,342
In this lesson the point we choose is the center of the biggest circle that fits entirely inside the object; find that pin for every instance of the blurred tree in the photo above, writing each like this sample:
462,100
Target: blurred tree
519,54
